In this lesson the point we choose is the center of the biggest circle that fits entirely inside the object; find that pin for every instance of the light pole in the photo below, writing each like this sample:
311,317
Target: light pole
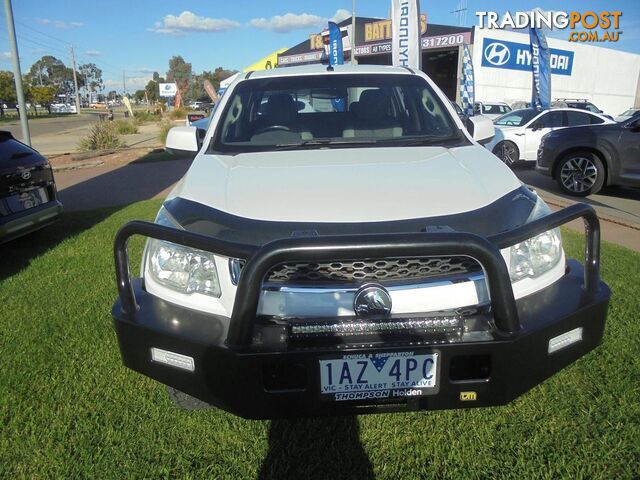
354,61
17,74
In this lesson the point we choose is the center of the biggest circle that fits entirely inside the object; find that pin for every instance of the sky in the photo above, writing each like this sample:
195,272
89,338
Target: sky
138,37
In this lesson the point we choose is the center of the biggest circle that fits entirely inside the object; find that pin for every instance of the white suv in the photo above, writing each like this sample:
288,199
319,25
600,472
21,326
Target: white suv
362,255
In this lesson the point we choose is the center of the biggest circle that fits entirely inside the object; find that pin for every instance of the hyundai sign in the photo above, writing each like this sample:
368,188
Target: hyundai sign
168,89
517,56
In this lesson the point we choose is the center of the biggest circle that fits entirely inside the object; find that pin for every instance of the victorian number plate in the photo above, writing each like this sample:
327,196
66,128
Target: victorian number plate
370,376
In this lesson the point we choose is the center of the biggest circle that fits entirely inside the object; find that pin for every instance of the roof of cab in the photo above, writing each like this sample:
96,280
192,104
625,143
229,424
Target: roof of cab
317,69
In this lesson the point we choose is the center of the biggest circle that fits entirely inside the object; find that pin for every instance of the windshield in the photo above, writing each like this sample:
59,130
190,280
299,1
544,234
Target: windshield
333,110
517,118
629,112
495,109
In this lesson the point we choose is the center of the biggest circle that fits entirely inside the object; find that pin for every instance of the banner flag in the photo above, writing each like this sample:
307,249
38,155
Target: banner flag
336,56
208,87
467,94
127,104
541,69
406,50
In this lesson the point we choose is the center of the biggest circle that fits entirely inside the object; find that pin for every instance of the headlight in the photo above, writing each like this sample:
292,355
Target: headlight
538,254
182,269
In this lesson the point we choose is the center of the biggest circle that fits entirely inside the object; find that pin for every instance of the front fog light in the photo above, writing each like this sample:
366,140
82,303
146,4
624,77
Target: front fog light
183,269
535,256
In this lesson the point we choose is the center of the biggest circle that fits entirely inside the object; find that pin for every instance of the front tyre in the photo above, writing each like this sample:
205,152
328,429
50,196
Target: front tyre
185,401
580,174
507,151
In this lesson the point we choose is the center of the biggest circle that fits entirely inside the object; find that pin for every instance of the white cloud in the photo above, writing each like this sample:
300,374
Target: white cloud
60,23
190,22
144,70
5,56
291,21
92,53
133,83
341,15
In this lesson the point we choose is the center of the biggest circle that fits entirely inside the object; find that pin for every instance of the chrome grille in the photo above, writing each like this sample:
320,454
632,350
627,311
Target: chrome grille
380,270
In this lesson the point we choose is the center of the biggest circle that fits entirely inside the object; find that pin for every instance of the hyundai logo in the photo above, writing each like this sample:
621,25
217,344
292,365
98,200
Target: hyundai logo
25,175
371,300
497,54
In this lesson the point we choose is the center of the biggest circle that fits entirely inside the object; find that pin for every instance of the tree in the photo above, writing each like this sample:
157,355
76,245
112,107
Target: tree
152,87
7,89
43,95
50,71
180,73
91,77
139,95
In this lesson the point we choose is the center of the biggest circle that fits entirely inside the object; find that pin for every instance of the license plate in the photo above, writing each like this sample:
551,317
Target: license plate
27,200
378,376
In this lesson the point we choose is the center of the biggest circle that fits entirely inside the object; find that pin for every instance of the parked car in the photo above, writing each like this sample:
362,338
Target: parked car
627,114
373,259
28,196
492,110
520,105
580,104
518,133
584,159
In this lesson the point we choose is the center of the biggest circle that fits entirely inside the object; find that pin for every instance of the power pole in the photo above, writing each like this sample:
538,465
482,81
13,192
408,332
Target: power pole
17,74
124,84
75,81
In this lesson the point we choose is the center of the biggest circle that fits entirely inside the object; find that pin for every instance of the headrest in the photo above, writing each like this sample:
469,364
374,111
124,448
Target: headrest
373,105
281,108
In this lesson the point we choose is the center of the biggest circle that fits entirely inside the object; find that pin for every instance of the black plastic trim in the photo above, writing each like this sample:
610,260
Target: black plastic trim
508,212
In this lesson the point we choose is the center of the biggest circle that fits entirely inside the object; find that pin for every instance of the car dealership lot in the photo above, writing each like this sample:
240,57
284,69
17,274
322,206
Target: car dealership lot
617,207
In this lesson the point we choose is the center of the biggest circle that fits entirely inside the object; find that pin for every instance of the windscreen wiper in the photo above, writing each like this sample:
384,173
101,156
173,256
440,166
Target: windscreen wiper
321,143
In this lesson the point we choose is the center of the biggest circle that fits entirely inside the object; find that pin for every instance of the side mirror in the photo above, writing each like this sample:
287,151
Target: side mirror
481,128
182,141
536,126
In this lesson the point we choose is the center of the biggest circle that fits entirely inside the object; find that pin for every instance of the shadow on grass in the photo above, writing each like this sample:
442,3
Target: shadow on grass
19,253
87,203
315,448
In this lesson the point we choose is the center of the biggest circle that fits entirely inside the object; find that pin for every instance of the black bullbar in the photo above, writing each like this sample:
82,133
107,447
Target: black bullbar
578,299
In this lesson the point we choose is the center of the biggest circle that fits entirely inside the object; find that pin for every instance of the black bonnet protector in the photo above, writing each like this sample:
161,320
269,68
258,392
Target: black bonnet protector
506,213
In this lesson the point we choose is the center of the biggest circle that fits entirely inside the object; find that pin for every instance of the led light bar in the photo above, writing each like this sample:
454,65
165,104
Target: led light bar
564,340
355,327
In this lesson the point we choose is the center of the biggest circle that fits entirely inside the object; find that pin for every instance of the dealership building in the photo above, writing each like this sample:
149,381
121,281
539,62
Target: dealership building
501,59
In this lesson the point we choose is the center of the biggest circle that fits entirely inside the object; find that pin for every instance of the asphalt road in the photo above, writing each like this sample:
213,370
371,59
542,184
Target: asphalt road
47,126
621,205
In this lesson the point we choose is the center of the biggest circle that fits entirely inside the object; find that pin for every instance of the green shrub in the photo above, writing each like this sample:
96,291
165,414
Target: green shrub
165,126
178,113
103,136
126,127
142,116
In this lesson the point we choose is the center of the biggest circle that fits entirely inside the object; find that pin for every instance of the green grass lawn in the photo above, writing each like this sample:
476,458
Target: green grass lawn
69,409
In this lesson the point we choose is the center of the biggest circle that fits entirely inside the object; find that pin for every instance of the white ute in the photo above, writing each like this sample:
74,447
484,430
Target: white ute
343,210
